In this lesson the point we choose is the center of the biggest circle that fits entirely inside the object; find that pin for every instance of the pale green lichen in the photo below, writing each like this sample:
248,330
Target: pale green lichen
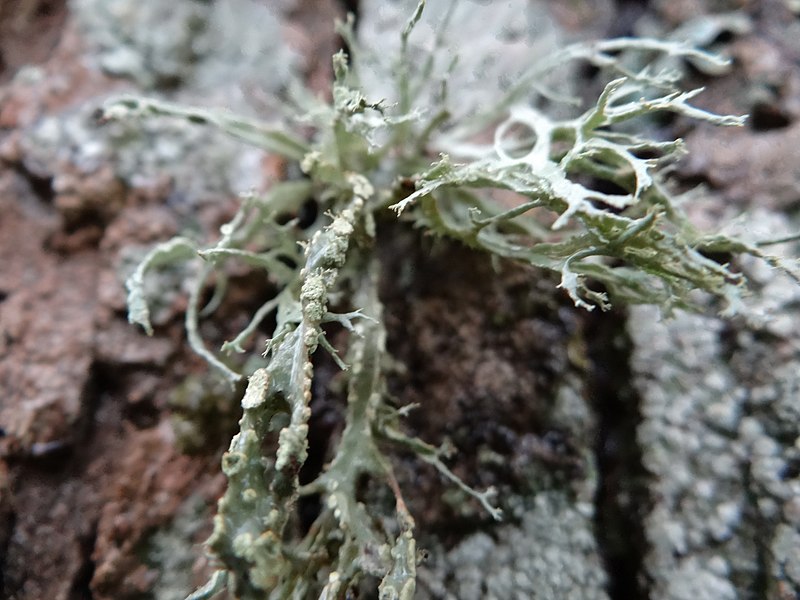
719,433
564,561
365,153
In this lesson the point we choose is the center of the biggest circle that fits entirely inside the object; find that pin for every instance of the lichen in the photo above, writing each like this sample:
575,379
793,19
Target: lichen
562,563
187,43
389,113
719,410
170,550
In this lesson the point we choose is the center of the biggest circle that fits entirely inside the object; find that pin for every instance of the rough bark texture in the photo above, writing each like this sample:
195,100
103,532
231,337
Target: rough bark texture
637,457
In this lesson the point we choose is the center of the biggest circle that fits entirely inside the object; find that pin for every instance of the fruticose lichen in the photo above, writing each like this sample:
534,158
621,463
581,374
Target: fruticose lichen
583,195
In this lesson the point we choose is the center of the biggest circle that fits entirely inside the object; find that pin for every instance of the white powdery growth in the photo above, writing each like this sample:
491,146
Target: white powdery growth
718,435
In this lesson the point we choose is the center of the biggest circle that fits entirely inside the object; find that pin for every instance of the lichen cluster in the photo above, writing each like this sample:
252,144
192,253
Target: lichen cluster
583,194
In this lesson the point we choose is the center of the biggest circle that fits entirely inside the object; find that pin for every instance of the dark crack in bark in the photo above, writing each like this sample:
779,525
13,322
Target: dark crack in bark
622,499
